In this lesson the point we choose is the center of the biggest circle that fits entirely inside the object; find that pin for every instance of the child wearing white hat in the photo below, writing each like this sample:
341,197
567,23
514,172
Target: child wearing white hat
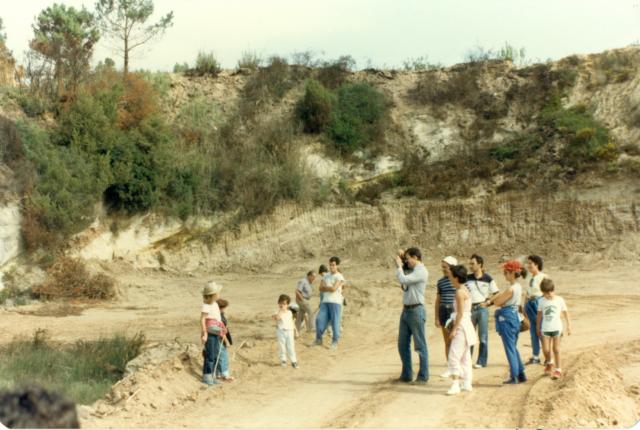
212,329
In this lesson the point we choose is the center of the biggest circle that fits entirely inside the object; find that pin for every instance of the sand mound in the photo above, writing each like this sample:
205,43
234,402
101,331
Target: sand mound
596,392
162,377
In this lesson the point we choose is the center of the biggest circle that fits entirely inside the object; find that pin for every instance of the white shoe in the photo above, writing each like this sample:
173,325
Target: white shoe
446,375
466,387
477,366
455,389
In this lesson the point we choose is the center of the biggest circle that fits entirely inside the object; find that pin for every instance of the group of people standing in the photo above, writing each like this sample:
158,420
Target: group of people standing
462,313
290,318
463,299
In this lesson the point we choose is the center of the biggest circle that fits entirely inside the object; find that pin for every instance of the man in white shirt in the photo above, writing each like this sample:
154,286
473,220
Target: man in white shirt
481,288
534,265
331,306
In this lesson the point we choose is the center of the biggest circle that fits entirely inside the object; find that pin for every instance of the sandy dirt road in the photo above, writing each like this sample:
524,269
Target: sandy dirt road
354,385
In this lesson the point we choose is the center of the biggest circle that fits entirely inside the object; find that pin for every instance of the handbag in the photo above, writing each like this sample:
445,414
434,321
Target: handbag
524,322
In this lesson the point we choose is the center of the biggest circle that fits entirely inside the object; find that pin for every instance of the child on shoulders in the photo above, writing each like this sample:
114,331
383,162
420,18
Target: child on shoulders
222,370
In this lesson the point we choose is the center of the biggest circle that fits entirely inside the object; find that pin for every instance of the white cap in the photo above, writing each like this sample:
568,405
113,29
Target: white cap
211,287
451,261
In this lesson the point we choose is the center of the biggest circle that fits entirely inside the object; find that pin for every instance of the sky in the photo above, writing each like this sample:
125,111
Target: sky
379,33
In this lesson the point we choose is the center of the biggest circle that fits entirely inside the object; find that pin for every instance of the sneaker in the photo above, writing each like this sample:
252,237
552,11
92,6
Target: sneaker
208,379
533,360
467,387
294,365
445,375
510,381
334,345
455,389
318,342
419,382
522,378
477,366
557,374
548,369
283,363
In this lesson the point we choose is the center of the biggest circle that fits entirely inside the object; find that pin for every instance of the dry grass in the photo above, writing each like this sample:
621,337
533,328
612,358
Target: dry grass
68,278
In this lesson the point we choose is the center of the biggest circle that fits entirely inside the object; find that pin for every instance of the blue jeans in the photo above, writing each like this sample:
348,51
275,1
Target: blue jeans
412,323
329,312
531,310
211,349
223,363
480,319
508,327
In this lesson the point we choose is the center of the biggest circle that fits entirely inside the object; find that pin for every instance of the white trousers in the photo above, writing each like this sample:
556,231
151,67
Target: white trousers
460,358
286,345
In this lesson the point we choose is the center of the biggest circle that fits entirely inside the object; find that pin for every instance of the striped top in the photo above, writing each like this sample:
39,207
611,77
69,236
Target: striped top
446,291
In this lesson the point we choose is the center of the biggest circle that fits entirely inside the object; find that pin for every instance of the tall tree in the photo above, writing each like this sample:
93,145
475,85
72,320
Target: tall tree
126,21
65,36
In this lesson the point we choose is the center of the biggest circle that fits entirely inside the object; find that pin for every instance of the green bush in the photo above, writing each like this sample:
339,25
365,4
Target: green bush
332,74
566,77
137,170
33,105
206,64
253,174
461,87
314,109
67,185
505,152
521,146
617,66
11,151
197,120
249,60
84,371
357,117
160,81
181,68
269,84
586,140
419,63
507,52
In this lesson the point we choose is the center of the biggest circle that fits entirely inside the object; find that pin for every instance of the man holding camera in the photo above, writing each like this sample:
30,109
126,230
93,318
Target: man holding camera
413,318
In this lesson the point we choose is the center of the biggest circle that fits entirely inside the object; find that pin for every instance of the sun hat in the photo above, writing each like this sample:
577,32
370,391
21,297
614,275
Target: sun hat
512,266
451,261
210,288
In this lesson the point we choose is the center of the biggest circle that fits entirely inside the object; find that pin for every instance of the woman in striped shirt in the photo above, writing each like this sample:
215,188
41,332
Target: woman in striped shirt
444,303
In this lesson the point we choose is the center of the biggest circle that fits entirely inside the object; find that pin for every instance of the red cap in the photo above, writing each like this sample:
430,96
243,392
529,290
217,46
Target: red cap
512,266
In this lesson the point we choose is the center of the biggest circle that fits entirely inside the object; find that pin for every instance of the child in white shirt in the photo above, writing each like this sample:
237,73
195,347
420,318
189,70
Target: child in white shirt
285,331
551,310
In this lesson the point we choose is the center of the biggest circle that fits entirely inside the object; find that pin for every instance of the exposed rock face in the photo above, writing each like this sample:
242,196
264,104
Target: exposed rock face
506,224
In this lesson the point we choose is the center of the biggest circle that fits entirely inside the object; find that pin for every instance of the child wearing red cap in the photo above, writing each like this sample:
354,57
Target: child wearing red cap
507,320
